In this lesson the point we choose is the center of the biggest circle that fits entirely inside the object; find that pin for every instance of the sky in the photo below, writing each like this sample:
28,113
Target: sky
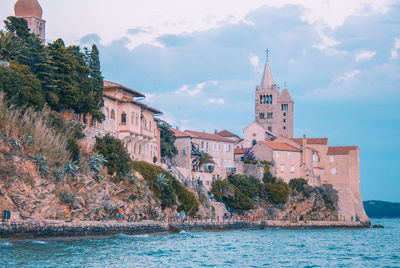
199,62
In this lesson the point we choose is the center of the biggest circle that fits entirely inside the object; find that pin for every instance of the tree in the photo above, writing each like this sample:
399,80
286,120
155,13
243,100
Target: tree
118,160
167,140
205,158
20,86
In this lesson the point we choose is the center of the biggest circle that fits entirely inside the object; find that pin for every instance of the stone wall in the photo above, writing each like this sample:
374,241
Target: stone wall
27,229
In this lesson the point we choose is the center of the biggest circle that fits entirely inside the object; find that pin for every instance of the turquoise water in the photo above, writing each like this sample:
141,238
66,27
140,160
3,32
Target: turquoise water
270,247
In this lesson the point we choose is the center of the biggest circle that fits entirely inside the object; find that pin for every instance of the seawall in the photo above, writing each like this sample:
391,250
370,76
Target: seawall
30,229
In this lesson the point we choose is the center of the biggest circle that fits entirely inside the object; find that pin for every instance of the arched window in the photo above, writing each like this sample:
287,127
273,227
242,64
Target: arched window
254,142
112,114
270,99
261,99
267,99
123,118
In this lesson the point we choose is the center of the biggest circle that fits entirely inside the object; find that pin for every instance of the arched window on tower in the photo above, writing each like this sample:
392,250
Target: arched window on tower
267,99
270,99
264,99
262,115
261,99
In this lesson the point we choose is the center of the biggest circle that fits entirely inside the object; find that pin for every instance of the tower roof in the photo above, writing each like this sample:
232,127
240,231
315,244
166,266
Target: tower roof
26,8
267,81
285,96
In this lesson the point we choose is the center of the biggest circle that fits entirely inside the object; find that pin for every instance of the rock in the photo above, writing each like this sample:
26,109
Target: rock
378,226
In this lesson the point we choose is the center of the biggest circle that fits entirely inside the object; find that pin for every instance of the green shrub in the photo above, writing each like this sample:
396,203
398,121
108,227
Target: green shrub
278,193
167,192
237,191
269,178
297,184
119,163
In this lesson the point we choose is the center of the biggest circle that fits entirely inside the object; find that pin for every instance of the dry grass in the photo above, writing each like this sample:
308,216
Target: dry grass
33,126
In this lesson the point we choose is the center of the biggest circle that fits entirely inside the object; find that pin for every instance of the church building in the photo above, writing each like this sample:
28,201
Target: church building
32,12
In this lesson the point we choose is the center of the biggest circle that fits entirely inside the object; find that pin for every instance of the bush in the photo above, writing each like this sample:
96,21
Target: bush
119,163
268,178
297,184
167,193
278,193
237,192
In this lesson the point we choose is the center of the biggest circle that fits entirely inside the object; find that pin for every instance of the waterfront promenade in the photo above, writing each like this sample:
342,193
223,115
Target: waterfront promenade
32,228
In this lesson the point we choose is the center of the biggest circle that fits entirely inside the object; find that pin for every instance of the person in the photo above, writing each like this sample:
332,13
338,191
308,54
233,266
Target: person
120,214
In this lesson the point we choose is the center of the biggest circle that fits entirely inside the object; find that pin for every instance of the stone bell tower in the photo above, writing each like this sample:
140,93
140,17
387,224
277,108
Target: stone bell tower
32,12
273,110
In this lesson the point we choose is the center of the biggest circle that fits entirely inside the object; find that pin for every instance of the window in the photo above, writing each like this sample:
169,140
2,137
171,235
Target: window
202,145
262,115
284,120
331,159
270,115
298,155
108,113
277,154
270,129
229,148
284,128
261,99
219,147
284,114
254,142
282,168
288,155
285,107
333,171
292,168
112,114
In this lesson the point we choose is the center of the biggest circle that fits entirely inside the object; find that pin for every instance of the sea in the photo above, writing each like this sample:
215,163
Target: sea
244,248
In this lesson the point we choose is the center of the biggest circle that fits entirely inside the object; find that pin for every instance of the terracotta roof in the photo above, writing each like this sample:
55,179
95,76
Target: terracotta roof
142,105
280,146
226,133
341,150
26,8
208,136
239,150
112,85
323,141
179,134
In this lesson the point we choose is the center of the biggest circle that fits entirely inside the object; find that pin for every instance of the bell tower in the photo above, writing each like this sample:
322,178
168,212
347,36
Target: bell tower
32,12
273,110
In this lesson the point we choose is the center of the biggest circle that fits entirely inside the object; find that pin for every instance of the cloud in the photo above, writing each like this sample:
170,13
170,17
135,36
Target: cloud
192,90
347,76
394,54
326,41
254,61
364,54
139,30
216,101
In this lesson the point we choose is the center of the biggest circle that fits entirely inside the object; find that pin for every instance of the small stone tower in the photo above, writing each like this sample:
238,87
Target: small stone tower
32,12
274,110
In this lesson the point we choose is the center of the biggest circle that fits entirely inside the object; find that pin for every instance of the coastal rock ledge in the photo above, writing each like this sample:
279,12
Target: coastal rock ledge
28,229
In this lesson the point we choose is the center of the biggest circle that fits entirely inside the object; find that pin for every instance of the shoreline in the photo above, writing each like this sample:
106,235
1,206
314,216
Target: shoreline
53,229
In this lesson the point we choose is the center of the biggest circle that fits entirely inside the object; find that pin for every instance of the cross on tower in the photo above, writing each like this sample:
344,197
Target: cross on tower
267,51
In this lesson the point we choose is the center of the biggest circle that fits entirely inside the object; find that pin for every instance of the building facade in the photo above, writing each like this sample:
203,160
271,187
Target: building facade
32,12
129,120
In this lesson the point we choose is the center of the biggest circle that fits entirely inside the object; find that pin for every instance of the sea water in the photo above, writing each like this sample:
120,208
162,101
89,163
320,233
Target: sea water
244,248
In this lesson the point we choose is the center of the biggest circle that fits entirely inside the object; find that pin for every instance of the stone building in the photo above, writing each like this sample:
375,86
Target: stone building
127,119
273,109
191,144
32,12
